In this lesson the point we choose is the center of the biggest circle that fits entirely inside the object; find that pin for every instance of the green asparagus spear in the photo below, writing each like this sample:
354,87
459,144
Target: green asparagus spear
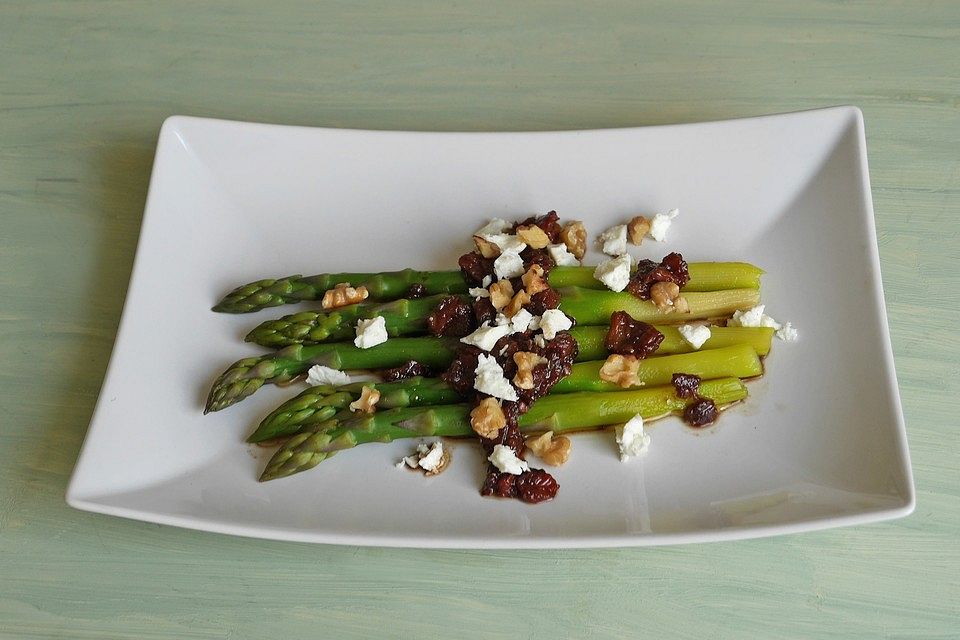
574,411
403,317
313,405
246,376
704,276
408,317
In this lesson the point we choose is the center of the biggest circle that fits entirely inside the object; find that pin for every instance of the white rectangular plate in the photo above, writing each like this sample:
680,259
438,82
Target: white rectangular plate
819,443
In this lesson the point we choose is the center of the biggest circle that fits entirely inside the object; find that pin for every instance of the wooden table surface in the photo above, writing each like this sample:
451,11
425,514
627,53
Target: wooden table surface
84,87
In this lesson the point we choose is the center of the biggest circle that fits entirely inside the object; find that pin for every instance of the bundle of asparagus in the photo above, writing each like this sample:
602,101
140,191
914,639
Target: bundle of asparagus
317,423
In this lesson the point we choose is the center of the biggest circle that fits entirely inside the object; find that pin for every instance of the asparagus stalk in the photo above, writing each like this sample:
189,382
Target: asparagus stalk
403,317
406,317
590,306
317,403
245,376
704,276
575,411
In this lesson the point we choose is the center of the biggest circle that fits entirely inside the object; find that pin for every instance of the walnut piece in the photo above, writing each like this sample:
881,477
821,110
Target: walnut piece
500,294
533,281
441,466
367,402
621,370
343,295
574,235
680,305
521,298
553,451
664,293
637,228
526,361
486,248
533,236
487,418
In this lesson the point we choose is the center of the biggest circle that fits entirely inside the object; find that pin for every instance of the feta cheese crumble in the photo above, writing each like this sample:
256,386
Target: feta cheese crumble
371,332
787,332
631,439
319,374
504,459
490,379
506,243
495,226
661,223
478,292
614,273
695,334
753,317
552,321
561,256
485,336
508,265
520,321
428,457
486,282
539,340
614,240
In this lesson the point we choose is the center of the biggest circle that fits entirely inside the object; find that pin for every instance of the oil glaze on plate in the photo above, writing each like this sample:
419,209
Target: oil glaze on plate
819,443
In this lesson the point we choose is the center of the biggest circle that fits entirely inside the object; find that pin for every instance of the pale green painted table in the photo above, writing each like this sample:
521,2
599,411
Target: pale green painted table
83,89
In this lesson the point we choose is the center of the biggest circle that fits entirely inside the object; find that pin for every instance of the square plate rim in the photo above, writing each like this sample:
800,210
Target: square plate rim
169,134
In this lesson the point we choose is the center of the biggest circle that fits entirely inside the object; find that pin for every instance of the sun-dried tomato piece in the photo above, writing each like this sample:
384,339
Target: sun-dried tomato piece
535,486
409,369
630,337
673,268
475,268
452,317
685,384
416,290
540,302
701,413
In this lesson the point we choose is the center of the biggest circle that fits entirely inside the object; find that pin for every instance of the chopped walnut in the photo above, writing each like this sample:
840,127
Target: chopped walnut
574,235
343,295
533,236
486,248
663,294
521,298
621,370
441,466
680,305
487,418
526,362
637,228
500,294
553,451
367,402
533,280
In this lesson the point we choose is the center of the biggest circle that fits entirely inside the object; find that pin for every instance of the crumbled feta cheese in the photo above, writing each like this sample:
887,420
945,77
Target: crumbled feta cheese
561,256
506,242
486,336
504,459
490,379
615,272
371,332
787,333
433,458
478,292
539,340
661,223
497,225
319,374
552,321
520,321
508,265
486,282
428,457
754,317
631,439
695,334
501,320
614,240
